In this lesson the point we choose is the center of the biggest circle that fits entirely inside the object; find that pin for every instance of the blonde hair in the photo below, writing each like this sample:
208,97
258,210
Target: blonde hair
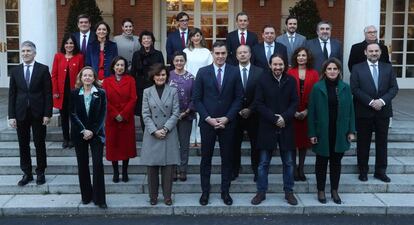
79,82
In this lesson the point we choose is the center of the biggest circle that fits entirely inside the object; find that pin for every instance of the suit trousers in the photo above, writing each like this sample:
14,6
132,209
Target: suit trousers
321,164
365,127
208,140
166,180
39,135
250,125
95,191
184,132
64,112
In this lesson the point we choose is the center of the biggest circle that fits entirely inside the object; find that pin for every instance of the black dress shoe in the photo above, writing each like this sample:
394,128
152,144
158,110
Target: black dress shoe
25,180
103,206
65,144
321,197
335,197
204,198
70,144
382,177
115,178
226,198
125,178
40,179
258,198
85,202
363,177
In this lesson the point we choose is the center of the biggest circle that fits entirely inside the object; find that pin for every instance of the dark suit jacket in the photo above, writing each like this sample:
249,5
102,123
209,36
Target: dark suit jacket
92,55
173,44
209,101
364,91
357,54
233,42
38,95
80,119
92,38
273,98
255,73
299,42
318,58
259,55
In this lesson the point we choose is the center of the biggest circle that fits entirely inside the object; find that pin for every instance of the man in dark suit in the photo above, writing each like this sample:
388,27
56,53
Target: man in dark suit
238,37
357,54
30,105
263,51
373,85
276,100
217,96
324,47
84,36
247,119
177,40
291,40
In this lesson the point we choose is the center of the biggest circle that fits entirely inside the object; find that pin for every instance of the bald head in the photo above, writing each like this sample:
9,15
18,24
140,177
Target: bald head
243,54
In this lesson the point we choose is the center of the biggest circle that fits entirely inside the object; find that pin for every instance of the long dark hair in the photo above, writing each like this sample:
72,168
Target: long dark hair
309,63
66,37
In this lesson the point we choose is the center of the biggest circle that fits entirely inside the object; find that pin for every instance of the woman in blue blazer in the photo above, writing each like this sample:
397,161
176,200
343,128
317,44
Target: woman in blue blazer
88,109
102,51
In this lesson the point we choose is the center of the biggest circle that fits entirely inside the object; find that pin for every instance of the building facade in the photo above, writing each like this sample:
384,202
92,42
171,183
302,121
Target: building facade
44,22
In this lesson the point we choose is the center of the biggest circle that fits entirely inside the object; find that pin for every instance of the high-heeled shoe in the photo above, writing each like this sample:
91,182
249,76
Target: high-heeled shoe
335,197
301,174
115,178
321,197
296,174
153,200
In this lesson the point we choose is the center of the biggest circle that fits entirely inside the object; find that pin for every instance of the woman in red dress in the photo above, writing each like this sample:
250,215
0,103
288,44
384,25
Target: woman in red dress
305,77
66,66
120,125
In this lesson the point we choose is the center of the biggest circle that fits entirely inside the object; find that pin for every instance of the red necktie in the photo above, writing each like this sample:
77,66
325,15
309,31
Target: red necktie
183,39
242,39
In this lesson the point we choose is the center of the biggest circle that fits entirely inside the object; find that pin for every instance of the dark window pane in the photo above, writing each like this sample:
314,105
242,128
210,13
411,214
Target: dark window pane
410,32
382,32
207,31
188,6
398,32
411,6
410,45
410,58
222,20
397,45
206,5
398,19
409,72
12,57
383,5
206,20
222,6
173,5
12,17
13,43
209,43
411,19
12,4
396,58
12,30
221,32
382,19
397,71
399,5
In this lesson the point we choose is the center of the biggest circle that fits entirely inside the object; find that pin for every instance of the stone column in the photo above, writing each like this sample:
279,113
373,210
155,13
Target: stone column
358,15
38,24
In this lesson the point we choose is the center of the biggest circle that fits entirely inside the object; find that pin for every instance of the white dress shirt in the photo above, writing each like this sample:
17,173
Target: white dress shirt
328,45
247,71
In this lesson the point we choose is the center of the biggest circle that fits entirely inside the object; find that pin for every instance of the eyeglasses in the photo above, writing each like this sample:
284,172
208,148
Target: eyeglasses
183,20
371,32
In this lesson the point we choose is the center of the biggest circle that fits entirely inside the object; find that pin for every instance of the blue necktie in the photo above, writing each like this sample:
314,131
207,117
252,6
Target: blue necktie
27,75
375,75
244,78
219,79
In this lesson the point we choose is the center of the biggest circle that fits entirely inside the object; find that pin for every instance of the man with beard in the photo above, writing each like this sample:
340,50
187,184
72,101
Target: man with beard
291,39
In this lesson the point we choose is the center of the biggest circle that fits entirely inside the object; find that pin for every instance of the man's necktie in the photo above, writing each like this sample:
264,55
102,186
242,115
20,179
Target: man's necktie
219,79
242,38
375,75
244,78
27,75
269,52
183,39
325,50
84,45
291,40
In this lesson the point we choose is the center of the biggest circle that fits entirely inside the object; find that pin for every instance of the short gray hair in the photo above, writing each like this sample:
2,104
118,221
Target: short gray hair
323,22
369,26
29,44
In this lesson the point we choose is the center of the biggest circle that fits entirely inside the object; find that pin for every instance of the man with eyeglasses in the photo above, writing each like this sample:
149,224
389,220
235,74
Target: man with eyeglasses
177,40
357,54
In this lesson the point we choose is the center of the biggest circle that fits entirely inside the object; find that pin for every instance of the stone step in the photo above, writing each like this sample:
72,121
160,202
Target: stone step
11,149
397,134
68,165
187,204
68,184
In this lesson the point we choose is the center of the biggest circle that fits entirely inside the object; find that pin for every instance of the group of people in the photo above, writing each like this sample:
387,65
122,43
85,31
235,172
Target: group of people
287,93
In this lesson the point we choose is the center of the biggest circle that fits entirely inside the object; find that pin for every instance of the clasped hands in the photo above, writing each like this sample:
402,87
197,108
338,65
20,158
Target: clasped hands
245,113
314,140
301,115
119,118
161,133
280,121
13,122
87,134
218,123
376,104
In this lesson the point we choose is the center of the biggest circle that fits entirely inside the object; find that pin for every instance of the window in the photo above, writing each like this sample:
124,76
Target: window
12,33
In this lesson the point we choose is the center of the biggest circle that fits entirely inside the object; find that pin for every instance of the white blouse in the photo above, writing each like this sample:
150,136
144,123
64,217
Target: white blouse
197,58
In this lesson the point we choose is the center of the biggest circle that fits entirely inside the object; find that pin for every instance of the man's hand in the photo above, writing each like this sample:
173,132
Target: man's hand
46,121
314,140
212,121
377,104
221,122
87,134
280,122
351,137
245,113
13,123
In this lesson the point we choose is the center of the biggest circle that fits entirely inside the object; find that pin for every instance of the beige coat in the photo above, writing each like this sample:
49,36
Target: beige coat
158,113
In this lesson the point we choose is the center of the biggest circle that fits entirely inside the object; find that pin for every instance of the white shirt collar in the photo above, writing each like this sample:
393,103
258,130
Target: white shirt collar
216,69
31,64
93,90
327,41
247,67
370,63
289,35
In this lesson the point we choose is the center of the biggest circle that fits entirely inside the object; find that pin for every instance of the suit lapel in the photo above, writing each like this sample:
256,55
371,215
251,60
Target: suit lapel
34,74
213,78
370,76
381,75
225,77
157,99
165,94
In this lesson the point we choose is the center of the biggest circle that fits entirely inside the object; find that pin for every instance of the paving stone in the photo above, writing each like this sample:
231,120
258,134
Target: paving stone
8,185
349,183
3,200
401,183
398,203
35,205
351,204
408,163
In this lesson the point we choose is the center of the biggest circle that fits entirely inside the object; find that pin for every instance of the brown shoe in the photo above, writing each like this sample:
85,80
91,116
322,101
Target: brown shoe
153,200
168,201
290,198
259,198
183,176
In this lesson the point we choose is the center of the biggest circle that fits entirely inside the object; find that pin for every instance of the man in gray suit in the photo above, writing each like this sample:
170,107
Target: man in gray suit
324,47
291,39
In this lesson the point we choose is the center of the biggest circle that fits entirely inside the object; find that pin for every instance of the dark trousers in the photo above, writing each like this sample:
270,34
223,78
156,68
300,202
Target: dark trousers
64,112
184,132
39,135
321,165
208,140
95,191
365,127
166,180
250,125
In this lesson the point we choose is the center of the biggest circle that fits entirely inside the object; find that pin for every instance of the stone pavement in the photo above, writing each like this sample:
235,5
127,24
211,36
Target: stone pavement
60,195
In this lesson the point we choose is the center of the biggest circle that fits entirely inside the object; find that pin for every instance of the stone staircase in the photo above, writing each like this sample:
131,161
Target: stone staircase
60,195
